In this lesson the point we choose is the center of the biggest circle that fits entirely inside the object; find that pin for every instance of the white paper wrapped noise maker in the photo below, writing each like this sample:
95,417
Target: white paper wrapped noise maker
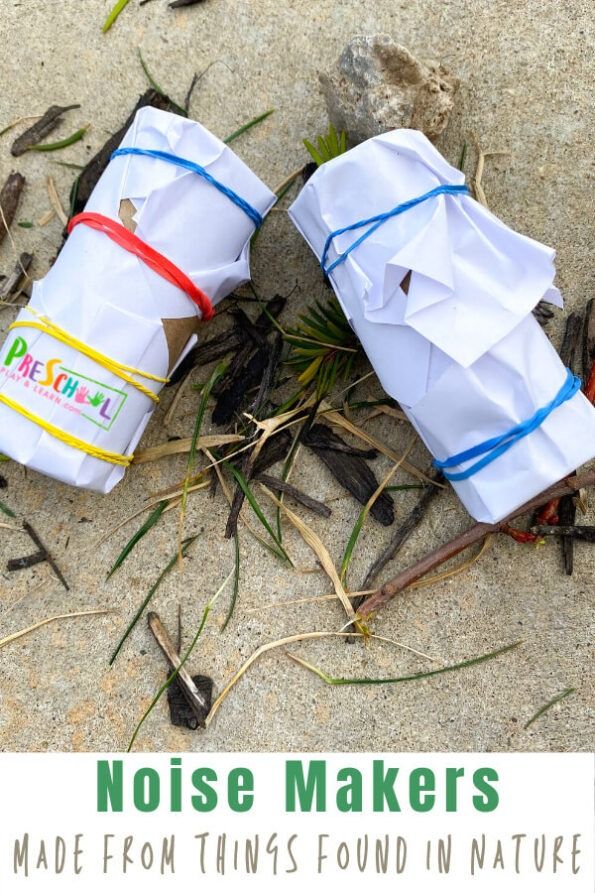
440,293
164,236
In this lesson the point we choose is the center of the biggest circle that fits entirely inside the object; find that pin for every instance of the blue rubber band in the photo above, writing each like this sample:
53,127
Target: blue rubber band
496,446
245,206
379,219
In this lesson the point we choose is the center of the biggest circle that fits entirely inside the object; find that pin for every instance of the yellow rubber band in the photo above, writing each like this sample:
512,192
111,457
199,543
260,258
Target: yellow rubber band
121,370
69,439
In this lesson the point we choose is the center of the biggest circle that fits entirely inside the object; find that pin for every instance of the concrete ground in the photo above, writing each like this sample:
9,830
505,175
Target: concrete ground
526,71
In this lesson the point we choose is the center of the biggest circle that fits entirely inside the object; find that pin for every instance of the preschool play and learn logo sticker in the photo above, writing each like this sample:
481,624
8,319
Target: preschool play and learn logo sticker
48,379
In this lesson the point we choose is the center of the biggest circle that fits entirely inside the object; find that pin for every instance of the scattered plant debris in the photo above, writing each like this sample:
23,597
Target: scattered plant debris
31,137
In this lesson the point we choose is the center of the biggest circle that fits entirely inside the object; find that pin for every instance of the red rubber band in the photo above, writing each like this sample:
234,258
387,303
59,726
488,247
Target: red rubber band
152,258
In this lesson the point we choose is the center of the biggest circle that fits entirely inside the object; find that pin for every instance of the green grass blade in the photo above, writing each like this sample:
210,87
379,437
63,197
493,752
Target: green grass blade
245,487
463,157
247,126
214,377
352,541
153,83
185,546
142,530
236,581
7,511
176,672
61,144
333,680
116,10
546,707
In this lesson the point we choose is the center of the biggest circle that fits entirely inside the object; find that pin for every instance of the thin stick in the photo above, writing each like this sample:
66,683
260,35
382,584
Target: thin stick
468,538
194,698
48,556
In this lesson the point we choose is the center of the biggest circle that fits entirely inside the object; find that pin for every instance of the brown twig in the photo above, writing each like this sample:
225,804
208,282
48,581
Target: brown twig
48,556
468,538
401,536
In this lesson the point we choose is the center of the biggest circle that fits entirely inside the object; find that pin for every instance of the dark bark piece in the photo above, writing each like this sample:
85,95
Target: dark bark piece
543,313
570,342
588,357
180,713
231,397
351,472
48,556
96,166
11,285
269,377
273,451
3,482
19,564
400,537
338,446
578,531
42,128
177,4
10,196
274,483
197,699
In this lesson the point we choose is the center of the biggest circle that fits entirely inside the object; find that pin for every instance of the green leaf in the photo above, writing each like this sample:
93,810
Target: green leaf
25,224
314,153
185,546
248,126
115,12
333,680
61,144
132,542
329,146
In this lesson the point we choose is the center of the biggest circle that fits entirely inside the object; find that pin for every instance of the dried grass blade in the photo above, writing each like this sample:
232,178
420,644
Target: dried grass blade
313,540
176,447
455,571
25,632
55,200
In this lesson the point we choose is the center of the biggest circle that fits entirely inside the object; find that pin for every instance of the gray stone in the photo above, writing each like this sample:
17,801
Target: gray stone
378,85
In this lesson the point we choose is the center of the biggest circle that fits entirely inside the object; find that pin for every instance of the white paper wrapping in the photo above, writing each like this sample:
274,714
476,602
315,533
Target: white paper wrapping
458,348
111,300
